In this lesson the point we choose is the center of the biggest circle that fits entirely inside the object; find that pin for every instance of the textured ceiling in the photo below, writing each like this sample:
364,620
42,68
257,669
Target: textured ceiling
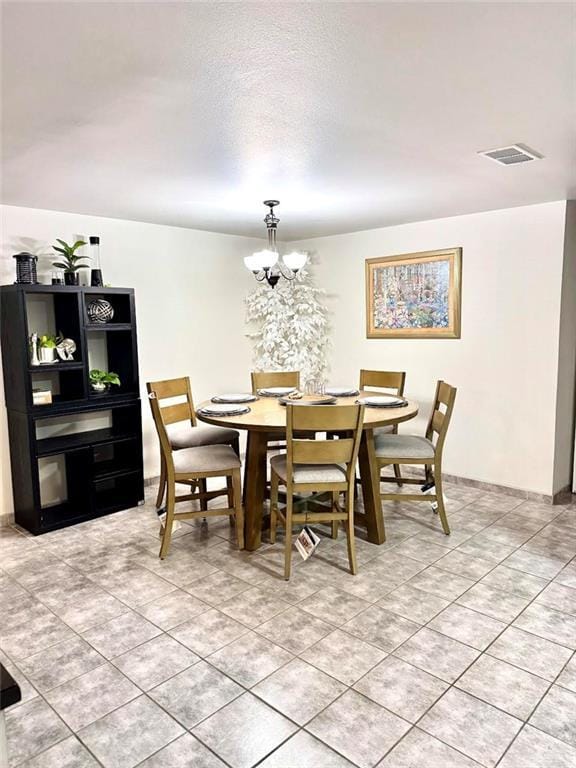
354,115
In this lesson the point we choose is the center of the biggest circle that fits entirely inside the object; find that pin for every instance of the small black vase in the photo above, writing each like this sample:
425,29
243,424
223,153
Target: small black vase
71,278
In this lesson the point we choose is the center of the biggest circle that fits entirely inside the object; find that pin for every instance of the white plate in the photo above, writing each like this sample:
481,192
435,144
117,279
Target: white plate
383,401
244,397
341,391
276,391
224,410
309,400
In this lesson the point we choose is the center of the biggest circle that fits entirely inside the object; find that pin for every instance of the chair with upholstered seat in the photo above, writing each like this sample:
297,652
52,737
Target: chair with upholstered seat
392,382
182,428
320,466
416,450
192,466
264,379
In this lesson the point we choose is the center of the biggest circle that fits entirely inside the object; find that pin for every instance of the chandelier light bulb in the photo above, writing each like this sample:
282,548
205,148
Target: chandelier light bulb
252,263
266,258
295,260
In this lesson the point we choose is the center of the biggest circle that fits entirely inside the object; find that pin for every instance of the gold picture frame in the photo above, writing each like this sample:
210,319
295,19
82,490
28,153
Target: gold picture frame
414,295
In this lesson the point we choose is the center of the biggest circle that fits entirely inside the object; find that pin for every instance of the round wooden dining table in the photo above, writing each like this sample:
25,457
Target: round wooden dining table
267,421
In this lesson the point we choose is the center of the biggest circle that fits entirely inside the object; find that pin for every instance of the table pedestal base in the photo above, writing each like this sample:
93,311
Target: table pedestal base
255,488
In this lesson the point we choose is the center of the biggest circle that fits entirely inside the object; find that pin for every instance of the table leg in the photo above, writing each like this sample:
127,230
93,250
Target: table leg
254,487
370,479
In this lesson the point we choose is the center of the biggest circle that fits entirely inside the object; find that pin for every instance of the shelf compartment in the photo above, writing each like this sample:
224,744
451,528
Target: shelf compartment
121,304
87,428
54,313
52,445
63,480
66,386
114,352
115,457
117,492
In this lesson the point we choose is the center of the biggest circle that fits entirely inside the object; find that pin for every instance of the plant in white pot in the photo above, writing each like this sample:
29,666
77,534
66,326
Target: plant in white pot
100,381
289,327
47,348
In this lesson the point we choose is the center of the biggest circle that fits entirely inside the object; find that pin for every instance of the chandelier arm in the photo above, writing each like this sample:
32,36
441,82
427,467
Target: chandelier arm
291,276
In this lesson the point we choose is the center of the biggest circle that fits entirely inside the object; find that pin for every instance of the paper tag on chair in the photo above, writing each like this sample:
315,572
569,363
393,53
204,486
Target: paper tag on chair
306,542
162,520
429,489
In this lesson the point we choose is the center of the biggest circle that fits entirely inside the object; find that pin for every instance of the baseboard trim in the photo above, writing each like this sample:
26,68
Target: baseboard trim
564,496
6,520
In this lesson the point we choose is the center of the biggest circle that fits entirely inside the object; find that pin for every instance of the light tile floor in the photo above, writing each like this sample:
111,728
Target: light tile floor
444,652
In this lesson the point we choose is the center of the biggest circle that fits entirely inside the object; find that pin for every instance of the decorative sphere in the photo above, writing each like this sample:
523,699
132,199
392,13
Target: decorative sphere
100,311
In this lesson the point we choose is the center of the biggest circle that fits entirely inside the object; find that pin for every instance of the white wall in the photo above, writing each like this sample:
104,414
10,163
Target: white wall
189,285
506,363
508,426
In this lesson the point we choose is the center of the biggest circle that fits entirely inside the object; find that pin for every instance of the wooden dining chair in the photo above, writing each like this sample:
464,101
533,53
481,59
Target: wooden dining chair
263,379
427,451
182,428
192,466
321,466
393,382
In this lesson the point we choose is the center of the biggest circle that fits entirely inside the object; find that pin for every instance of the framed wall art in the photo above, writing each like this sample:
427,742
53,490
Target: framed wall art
414,295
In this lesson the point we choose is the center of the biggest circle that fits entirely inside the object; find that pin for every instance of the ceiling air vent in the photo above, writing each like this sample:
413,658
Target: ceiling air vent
512,155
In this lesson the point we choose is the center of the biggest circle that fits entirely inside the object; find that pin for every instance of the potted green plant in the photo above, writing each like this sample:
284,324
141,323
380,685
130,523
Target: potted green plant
100,381
71,262
47,348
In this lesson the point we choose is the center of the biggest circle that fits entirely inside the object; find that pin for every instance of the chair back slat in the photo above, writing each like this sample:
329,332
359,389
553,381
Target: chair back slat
445,393
439,420
169,390
174,413
324,418
322,451
170,387
262,379
394,380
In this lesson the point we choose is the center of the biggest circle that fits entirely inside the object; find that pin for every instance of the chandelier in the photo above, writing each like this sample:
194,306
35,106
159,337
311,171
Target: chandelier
266,264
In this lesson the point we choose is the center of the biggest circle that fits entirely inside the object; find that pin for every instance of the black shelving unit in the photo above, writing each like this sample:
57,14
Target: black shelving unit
90,443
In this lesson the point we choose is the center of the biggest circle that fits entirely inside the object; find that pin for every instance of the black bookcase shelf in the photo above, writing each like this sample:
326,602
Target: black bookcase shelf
108,327
93,440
